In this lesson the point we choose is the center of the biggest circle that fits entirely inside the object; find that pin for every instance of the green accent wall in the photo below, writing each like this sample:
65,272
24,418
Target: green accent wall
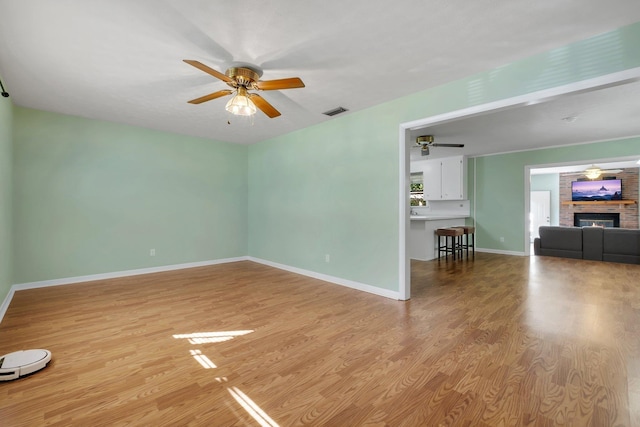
333,188
500,187
94,197
6,190
549,182
328,190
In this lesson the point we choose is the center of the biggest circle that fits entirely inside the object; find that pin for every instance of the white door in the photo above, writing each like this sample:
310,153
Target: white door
540,211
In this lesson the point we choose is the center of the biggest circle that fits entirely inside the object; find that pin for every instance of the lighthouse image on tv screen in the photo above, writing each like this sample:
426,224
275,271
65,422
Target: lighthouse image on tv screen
585,191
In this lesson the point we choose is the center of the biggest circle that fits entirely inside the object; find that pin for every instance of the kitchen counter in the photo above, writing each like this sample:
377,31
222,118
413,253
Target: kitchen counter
436,217
423,244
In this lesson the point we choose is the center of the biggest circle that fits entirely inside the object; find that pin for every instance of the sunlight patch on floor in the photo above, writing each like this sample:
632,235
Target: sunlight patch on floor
202,359
211,337
216,337
252,409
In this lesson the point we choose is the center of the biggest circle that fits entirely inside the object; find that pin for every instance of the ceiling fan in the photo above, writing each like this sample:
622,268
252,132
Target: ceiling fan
593,172
426,141
242,79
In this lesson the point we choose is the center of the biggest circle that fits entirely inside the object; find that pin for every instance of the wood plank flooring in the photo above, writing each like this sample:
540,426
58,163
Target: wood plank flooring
494,341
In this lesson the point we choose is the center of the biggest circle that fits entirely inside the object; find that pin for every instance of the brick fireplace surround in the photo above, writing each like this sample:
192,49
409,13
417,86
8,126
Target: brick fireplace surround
628,213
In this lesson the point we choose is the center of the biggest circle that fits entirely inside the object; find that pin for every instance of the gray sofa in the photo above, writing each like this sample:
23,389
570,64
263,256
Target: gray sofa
592,243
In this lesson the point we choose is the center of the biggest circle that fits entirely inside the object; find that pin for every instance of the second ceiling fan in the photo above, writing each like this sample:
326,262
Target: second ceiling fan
426,141
594,172
242,79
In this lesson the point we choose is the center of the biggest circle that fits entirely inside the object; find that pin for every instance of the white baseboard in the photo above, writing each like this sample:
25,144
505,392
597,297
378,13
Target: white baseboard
103,276
6,302
332,279
125,273
501,252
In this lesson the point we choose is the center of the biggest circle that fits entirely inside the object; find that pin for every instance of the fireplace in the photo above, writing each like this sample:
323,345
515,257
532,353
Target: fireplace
609,219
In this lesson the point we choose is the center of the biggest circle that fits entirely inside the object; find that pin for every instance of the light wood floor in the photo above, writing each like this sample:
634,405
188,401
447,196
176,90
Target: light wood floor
497,341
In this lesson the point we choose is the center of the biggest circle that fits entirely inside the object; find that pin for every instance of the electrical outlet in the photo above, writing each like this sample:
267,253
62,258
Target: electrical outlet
502,239
327,258
152,252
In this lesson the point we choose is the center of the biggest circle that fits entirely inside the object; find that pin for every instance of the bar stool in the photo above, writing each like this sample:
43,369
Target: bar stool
454,235
469,230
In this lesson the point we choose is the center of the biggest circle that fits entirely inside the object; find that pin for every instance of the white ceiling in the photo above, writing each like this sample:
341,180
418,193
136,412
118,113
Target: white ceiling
121,60
596,115
581,167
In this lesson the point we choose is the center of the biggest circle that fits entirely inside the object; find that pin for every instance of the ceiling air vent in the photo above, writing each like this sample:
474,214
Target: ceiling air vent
335,111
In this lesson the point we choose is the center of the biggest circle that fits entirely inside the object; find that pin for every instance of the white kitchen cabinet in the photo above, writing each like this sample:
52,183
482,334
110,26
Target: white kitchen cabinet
443,178
452,178
432,179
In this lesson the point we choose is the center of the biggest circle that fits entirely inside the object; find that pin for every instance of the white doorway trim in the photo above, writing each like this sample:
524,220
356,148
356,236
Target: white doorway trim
404,270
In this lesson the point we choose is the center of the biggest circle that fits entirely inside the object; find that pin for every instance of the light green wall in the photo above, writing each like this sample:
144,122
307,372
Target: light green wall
500,187
6,189
549,182
327,190
94,197
333,188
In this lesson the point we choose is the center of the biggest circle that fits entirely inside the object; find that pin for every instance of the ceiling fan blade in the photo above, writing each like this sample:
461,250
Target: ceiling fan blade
209,70
611,171
447,145
263,105
290,83
211,96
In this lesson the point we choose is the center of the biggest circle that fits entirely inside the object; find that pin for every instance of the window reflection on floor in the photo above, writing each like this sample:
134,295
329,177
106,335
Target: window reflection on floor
240,397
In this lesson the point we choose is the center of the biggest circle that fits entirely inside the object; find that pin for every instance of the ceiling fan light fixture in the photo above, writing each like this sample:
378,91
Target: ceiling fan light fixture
592,173
241,79
240,104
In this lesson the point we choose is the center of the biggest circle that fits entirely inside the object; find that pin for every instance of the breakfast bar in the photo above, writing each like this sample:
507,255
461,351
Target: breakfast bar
422,239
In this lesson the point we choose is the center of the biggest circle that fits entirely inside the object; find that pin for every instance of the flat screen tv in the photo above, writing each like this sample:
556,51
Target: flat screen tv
586,191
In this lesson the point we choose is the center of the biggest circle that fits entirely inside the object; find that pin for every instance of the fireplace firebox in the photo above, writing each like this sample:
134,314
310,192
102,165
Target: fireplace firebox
609,219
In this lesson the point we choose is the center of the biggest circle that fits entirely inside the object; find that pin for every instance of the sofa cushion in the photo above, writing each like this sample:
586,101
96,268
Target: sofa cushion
560,253
621,245
592,243
561,238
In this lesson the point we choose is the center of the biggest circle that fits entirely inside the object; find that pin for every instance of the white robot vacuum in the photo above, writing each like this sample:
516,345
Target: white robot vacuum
20,363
